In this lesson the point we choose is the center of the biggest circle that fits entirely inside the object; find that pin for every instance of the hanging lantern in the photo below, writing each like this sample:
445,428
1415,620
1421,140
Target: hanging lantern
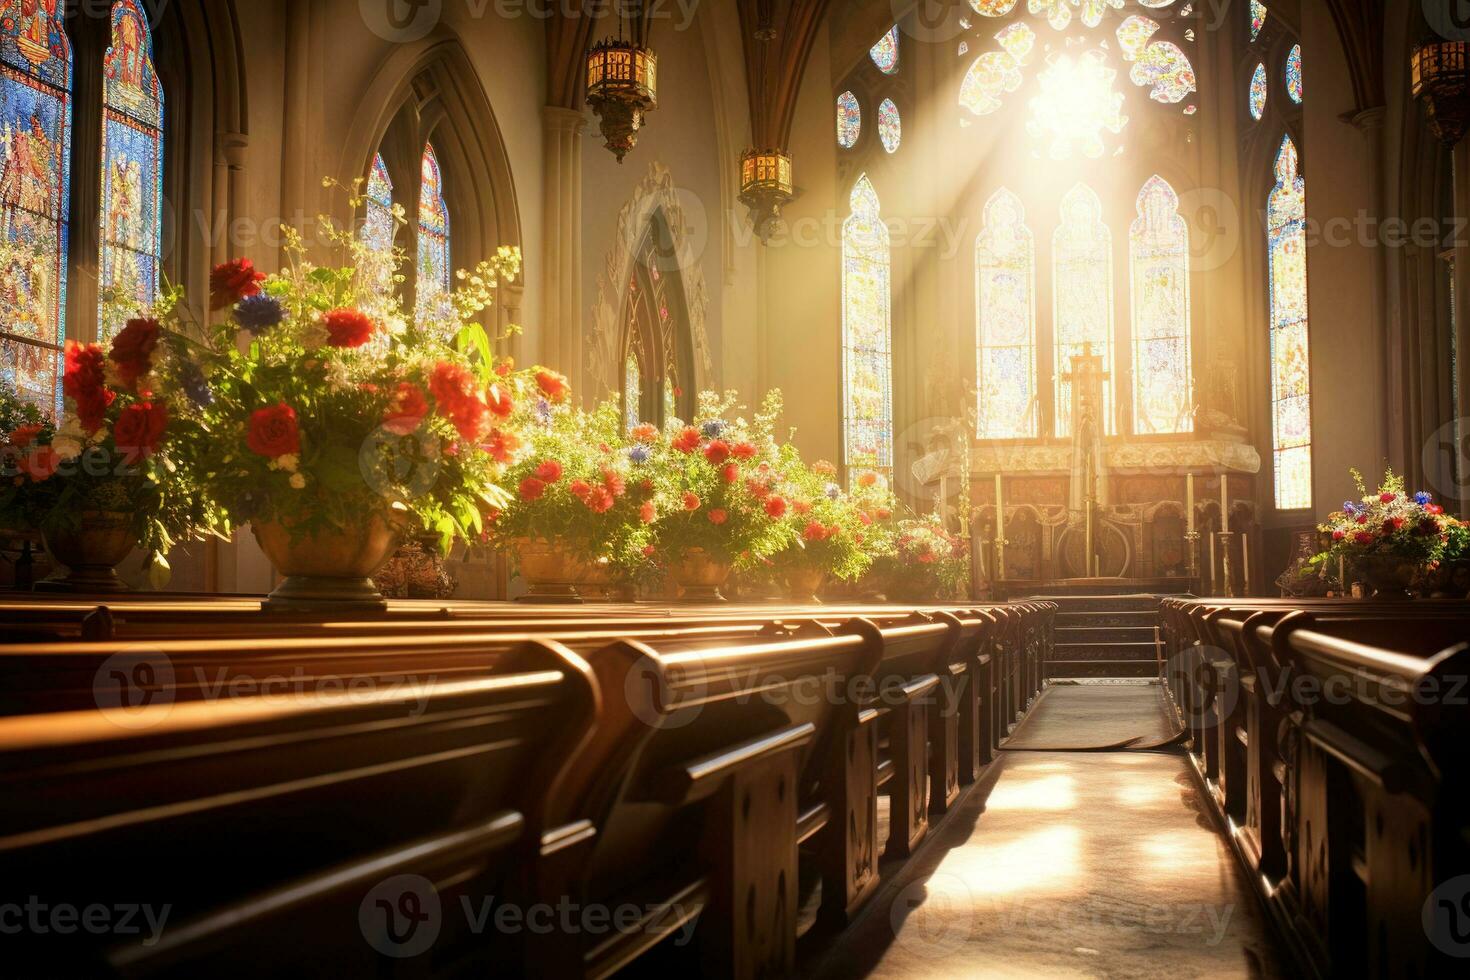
622,85
1441,77
765,187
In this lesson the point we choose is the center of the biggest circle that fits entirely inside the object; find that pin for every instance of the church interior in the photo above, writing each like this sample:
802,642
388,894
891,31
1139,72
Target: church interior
770,488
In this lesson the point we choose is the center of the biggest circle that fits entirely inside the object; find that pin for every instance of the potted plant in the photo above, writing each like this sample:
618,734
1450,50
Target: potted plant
927,561
109,478
1390,537
340,425
828,529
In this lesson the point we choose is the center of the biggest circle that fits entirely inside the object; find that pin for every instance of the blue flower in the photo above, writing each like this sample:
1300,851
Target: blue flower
543,410
833,491
713,429
640,454
191,379
259,313
1349,508
1423,499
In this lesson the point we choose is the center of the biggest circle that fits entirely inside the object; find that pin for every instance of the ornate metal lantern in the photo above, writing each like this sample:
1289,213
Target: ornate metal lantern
765,186
1441,76
622,85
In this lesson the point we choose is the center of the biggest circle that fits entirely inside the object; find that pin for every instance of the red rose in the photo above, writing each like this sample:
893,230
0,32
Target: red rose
691,502
532,488
407,410
647,514
25,435
499,400
730,473
233,281
502,445
743,450
1339,535
41,465
717,452
549,471
718,516
84,383
139,430
273,431
457,398
554,386
348,327
132,350
776,507
687,440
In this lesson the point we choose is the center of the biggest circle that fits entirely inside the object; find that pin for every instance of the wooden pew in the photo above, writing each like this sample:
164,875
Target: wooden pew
256,820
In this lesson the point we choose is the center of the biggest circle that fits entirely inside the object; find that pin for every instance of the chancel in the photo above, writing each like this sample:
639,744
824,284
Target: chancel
755,488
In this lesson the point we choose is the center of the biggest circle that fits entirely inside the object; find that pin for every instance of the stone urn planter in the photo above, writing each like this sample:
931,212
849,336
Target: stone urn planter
328,569
91,550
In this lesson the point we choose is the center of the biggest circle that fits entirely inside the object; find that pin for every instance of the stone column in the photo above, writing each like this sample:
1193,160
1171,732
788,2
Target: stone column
560,344
1391,435
1462,326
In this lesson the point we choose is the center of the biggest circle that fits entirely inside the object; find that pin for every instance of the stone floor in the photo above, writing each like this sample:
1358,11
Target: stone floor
1069,864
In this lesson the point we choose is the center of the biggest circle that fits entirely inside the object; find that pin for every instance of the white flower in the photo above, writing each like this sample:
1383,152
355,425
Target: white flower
67,448
298,482
286,463
336,375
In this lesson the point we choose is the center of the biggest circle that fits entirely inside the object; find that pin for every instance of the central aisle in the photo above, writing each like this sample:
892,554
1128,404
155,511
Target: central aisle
1069,864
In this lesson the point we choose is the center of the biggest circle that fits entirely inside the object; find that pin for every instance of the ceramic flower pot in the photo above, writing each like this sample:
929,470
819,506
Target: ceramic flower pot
327,569
1389,578
551,574
803,583
91,550
700,577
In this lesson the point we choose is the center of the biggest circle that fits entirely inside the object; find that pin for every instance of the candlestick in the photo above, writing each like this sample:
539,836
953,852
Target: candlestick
1000,531
1224,501
1189,499
1214,577
1245,563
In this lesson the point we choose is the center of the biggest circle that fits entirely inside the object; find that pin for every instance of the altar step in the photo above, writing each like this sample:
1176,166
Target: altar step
1105,636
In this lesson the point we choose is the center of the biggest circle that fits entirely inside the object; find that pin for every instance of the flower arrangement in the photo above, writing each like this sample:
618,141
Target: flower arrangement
330,408
828,525
1390,528
123,439
926,560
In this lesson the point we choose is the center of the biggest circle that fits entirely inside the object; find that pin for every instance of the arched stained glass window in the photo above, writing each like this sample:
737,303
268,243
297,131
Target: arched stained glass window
1258,18
35,187
867,339
890,126
849,120
885,52
377,228
1082,280
1291,384
1294,74
632,391
1158,250
132,168
1005,291
433,269
997,72
1258,92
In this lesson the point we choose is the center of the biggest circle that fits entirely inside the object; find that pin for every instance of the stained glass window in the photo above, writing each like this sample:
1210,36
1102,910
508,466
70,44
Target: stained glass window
849,120
1258,92
1291,387
885,52
1161,65
434,269
377,228
1258,18
35,183
1005,292
1082,282
1158,249
997,72
890,126
632,391
1294,74
867,337
1058,12
993,8
132,166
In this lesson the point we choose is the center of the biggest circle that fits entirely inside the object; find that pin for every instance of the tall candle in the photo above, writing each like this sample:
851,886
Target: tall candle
1189,500
1000,511
1224,501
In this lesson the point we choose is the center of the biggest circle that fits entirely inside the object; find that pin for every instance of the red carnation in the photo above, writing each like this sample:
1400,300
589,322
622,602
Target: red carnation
691,502
273,431
1388,498
233,281
407,410
718,516
554,386
499,400
647,514
743,450
758,489
502,445
532,488
644,433
458,399
348,327
1339,535
580,488
776,507
730,473
84,384
814,532
139,430
687,440
614,483
549,471
132,350
717,452
598,500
